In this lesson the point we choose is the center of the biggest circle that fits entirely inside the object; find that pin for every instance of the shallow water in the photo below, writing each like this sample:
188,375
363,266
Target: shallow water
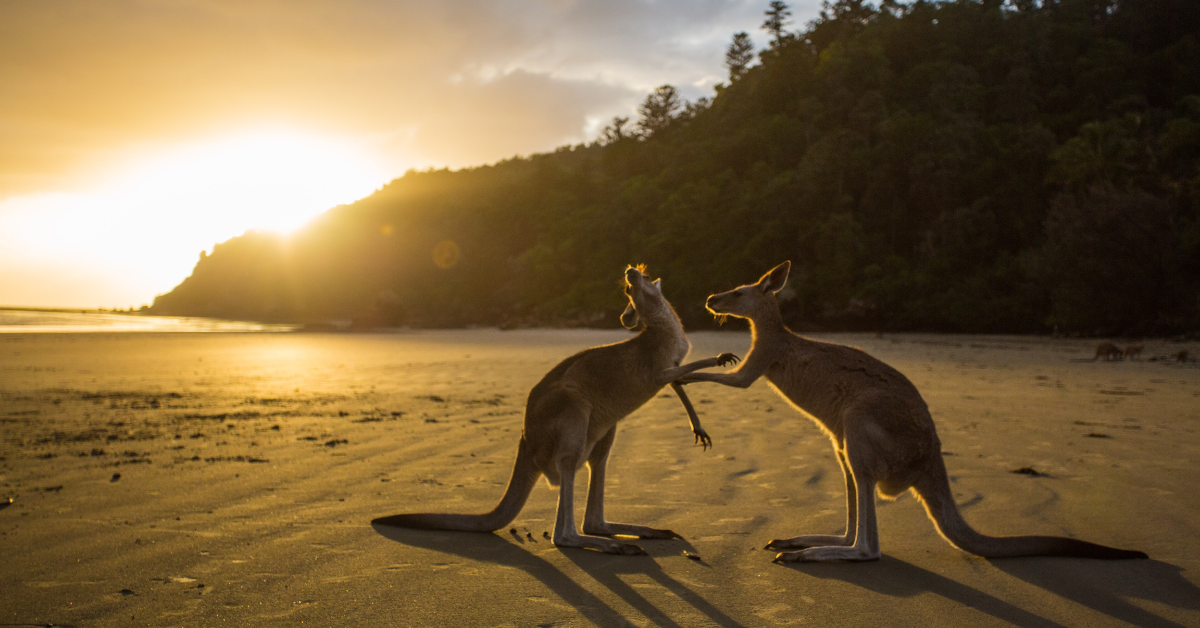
57,321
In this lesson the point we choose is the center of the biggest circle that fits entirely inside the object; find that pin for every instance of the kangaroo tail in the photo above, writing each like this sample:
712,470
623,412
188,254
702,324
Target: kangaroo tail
934,491
525,474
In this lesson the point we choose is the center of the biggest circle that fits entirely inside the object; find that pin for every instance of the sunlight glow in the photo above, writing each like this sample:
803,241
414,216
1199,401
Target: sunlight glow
269,181
140,234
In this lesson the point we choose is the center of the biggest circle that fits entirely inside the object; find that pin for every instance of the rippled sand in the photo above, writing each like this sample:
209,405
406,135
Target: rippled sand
195,479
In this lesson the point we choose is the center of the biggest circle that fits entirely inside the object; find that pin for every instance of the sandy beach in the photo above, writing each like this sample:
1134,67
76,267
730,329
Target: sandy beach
163,479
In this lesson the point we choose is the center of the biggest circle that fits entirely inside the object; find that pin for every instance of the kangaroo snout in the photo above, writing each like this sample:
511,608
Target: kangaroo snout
717,304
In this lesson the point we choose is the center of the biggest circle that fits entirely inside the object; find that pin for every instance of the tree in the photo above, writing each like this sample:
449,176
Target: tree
927,165
693,109
739,55
778,15
614,132
658,110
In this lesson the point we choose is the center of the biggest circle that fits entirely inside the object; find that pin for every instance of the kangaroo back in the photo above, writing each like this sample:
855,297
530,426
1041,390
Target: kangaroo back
934,491
524,475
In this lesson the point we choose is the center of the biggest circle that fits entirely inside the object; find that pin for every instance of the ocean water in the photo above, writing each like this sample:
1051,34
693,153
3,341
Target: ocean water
59,321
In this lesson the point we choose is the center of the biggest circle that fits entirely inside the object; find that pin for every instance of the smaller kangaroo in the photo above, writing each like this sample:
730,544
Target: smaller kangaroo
571,418
881,431
1133,351
1108,351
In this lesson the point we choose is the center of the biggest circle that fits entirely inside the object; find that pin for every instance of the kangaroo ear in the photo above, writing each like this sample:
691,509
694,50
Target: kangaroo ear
773,281
629,318
658,284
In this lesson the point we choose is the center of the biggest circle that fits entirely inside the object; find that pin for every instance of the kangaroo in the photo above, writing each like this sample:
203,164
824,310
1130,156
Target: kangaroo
1108,351
881,430
1133,351
571,418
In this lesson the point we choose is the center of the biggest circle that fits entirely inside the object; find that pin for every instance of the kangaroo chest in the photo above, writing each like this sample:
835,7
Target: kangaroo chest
817,388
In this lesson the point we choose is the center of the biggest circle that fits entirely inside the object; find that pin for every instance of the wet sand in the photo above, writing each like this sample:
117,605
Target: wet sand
204,479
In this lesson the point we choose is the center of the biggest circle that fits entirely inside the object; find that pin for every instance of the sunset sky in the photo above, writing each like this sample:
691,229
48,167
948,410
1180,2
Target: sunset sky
134,135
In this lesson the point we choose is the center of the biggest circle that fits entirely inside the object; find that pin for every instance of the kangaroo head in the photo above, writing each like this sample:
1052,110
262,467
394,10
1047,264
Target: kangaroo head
646,300
745,301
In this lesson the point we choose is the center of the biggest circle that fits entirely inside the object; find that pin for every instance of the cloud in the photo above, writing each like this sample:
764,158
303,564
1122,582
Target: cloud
454,83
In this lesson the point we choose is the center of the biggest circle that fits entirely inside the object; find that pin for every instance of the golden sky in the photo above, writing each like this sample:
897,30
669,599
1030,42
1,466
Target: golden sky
134,134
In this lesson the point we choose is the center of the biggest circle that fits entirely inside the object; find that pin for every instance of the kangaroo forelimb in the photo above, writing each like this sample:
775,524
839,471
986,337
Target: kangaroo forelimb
702,437
736,379
669,375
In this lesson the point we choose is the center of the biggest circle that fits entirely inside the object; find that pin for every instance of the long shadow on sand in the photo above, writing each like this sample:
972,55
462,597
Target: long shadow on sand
892,576
607,569
604,568
1108,585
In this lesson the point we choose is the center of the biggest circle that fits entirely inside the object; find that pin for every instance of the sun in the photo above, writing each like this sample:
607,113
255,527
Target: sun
272,180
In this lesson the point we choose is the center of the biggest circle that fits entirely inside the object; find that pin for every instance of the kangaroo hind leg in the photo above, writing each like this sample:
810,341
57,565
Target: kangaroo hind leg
568,458
866,536
818,540
593,519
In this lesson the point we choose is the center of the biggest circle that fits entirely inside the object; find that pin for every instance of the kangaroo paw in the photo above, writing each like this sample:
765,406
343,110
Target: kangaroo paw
725,359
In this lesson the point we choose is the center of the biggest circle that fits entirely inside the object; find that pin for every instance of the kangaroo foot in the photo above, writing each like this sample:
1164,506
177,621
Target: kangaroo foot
625,529
826,554
809,540
627,549
608,546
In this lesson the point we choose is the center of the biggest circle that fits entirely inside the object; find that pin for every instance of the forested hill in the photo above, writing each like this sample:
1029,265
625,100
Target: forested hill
954,166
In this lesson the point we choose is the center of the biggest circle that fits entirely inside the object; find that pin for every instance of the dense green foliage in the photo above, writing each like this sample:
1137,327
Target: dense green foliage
956,166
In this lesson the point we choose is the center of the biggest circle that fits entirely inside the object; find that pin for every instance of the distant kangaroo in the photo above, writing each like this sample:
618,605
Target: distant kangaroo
1108,351
1133,351
571,418
881,431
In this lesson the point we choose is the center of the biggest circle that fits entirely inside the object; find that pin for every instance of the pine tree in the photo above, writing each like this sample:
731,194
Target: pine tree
778,15
658,110
739,55
614,132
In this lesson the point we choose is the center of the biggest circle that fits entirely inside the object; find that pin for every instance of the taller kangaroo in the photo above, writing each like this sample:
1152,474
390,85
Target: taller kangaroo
571,418
881,431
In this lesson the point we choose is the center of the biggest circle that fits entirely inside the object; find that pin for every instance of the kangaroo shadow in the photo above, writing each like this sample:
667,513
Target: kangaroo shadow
1107,586
607,570
604,568
894,577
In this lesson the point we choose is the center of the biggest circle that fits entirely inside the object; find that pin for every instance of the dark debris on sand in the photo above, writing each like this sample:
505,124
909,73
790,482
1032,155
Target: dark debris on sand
1031,472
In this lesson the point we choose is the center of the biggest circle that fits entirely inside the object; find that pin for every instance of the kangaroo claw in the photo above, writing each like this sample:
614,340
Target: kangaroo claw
790,557
703,439
725,359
